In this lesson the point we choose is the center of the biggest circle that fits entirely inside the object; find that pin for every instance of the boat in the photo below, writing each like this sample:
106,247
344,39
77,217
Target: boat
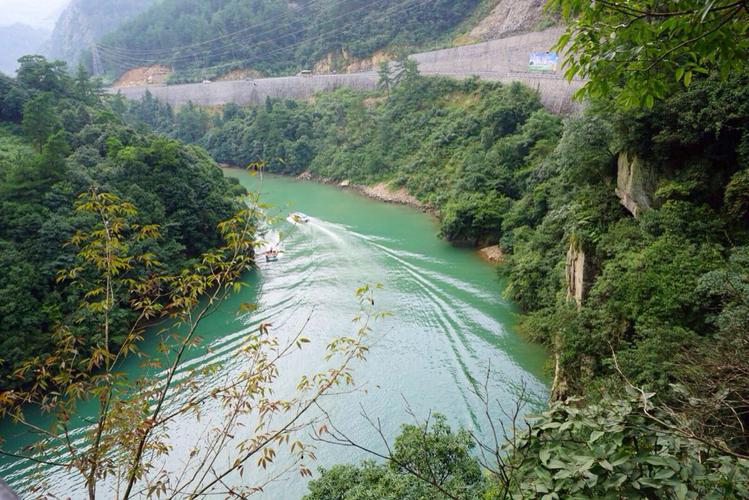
271,247
299,218
272,255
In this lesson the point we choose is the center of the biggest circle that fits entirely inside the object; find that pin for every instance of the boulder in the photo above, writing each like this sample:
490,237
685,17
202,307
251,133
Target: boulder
492,254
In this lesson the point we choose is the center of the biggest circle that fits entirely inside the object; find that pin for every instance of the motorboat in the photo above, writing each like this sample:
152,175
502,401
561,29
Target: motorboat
272,255
298,218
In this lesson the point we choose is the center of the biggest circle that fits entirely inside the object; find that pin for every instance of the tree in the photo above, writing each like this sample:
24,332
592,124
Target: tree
612,448
192,123
39,119
385,80
641,50
406,71
56,150
84,90
427,461
36,73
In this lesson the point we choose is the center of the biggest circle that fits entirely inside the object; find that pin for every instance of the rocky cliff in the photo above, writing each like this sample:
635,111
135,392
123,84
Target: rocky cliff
577,273
510,17
83,21
635,183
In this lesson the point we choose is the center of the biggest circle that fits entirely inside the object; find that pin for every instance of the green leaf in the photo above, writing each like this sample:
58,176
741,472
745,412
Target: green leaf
556,464
681,491
595,435
657,460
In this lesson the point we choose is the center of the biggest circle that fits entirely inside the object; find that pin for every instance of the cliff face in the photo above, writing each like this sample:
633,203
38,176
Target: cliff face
83,21
577,273
635,184
510,17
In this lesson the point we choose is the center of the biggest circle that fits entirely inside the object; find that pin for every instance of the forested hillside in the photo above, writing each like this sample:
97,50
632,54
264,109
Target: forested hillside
464,148
58,139
203,39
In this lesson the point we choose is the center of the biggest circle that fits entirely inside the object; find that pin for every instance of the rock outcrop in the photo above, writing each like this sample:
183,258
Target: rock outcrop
492,254
343,62
146,75
509,17
577,272
383,192
635,183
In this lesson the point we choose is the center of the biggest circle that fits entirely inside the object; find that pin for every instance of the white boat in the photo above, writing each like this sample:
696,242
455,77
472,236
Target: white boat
298,218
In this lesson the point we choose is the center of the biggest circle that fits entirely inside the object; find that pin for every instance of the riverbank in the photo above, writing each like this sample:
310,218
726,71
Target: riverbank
380,192
384,193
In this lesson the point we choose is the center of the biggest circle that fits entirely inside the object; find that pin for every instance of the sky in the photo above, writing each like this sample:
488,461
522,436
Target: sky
37,13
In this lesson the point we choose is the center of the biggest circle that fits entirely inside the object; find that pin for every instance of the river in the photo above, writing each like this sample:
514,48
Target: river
448,325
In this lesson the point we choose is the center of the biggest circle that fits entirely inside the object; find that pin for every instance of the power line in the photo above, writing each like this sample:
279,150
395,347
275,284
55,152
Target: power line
342,29
129,60
271,20
136,53
124,58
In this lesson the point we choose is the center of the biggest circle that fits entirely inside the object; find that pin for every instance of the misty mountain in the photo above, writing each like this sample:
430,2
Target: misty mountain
83,21
18,40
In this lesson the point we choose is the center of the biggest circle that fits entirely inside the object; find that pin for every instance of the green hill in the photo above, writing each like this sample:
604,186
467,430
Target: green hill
273,37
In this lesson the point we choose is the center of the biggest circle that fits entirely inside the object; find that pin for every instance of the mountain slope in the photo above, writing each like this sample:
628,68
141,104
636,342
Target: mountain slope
509,17
86,20
273,36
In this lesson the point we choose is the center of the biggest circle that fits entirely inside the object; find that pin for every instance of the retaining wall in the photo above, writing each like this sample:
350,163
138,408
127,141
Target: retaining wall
503,60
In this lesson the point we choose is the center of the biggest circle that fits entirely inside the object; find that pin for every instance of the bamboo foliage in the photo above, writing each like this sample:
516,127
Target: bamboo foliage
126,449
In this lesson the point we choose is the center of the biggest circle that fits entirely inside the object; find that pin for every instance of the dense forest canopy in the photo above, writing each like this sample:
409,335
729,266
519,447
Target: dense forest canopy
198,38
58,138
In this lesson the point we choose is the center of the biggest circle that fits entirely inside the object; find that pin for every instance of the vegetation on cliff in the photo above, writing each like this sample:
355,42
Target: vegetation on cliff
641,51
621,447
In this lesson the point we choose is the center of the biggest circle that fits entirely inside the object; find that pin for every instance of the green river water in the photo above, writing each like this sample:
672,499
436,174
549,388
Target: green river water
449,324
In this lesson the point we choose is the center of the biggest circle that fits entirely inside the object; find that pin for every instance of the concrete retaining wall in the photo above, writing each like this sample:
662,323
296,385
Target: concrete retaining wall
503,60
